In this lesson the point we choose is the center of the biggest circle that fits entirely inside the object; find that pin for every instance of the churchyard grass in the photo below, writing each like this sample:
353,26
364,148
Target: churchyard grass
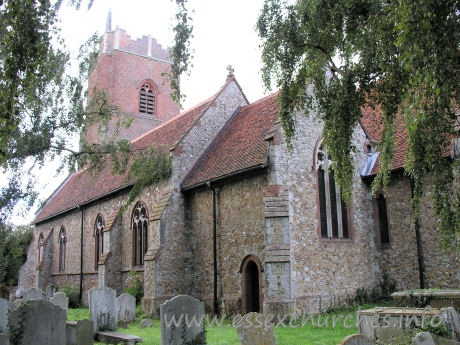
227,335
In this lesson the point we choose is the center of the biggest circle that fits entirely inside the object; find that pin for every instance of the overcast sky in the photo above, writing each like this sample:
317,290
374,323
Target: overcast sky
224,34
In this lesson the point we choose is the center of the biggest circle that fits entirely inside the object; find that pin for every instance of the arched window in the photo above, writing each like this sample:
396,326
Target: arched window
140,230
98,239
333,211
62,245
146,99
41,242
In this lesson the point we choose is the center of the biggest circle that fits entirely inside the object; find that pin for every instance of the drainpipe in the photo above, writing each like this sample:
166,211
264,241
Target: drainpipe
80,296
418,239
214,246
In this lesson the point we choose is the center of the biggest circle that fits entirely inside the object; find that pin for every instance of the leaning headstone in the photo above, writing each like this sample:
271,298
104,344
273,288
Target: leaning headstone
126,308
102,309
32,293
38,322
80,332
451,322
355,339
4,310
60,299
182,316
4,339
17,303
423,338
254,330
146,323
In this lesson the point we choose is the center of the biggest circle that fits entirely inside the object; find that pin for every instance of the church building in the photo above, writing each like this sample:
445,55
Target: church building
243,223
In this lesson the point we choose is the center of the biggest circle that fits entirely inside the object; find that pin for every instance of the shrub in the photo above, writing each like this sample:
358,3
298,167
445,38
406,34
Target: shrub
73,294
135,286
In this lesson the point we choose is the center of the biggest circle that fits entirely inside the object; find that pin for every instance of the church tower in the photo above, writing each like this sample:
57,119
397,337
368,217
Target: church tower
130,71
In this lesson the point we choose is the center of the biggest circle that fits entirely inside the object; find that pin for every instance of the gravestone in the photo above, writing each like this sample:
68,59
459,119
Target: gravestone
80,332
146,323
355,339
32,293
38,322
126,308
61,300
4,309
255,330
451,322
4,339
182,315
103,309
17,303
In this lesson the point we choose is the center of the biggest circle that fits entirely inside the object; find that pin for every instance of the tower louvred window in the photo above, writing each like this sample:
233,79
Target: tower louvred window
146,99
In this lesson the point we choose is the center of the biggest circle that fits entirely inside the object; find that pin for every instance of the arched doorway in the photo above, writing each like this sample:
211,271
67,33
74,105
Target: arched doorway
251,285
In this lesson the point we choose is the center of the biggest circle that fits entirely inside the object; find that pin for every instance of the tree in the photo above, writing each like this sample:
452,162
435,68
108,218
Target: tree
401,57
13,251
43,104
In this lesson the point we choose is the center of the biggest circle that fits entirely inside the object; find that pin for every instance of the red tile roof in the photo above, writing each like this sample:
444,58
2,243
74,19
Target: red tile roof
82,187
373,126
371,121
240,144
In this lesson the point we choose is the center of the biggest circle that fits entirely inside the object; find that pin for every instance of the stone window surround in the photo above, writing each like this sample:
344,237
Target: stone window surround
151,85
244,263
378,242
146,240
98,240
351,232
62,248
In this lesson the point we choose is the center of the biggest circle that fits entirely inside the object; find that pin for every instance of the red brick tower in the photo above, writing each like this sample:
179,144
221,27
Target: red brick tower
130,71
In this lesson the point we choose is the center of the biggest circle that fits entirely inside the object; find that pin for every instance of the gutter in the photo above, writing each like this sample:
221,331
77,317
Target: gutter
214,246
217,179
421,269
80,296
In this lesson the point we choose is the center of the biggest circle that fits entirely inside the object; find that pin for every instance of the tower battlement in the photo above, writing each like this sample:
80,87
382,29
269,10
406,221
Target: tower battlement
146,46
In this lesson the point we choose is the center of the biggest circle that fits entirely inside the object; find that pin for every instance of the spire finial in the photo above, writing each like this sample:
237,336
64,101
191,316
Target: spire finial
108,25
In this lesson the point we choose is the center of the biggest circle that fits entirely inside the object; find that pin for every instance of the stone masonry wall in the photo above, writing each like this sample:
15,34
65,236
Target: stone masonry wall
72,223
240,232
173,266
323,272
399,260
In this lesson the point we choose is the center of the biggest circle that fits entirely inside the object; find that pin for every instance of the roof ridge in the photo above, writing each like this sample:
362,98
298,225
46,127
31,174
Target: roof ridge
187,130
260,100
56,191
211,145
180,115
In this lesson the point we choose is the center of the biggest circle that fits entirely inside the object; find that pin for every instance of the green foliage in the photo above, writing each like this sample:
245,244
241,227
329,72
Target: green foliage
181,52
14,242
105,322
135,286
396,56
378,294
72,293
50,103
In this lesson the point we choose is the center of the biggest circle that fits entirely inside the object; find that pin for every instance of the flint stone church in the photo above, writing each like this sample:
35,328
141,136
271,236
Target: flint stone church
242,223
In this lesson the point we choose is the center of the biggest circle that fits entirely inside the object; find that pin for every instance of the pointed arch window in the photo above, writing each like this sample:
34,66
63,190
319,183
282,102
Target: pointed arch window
98,239
139,223
41,243
146,99
62,248
333,211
